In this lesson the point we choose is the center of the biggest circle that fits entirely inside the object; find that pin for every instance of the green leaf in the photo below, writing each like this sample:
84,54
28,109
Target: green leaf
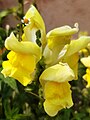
11,82
7,109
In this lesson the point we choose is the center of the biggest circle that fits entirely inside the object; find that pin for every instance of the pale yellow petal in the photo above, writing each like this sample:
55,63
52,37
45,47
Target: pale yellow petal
30,33
32,13
59,37
77,45
72,61
86,61
37,22
48,55
63,31
51,109
13,44
58,73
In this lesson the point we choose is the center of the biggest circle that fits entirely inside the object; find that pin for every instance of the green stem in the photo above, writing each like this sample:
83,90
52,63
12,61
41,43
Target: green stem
34,95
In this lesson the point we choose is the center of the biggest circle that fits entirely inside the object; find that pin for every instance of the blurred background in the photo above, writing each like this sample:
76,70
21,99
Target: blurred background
55,12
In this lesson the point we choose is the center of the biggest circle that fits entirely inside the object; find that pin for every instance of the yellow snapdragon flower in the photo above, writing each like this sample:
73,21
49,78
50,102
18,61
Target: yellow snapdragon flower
35,23
84,52
56,41
24,55
64,49
57,93
22,59
71,56
86,62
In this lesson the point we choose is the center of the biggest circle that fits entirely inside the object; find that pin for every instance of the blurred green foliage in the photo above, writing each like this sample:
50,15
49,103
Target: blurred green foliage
26,103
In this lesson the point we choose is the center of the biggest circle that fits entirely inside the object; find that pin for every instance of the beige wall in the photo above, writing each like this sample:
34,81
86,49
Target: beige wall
60,12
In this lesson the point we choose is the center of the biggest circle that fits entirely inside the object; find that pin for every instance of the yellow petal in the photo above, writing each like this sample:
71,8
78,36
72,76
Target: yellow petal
27,62
13,58
58,93
57,97
51,109
63,31
30,33
17,73
58,73
48,55
71,56
72,61
24,60
58,37
36,21
21,75
26,47
6,68
32,13
86,61
19,66
77,45
58,42
87,77
51,57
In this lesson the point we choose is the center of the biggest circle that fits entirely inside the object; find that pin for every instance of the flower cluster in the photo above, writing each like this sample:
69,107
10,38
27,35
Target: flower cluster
60,53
